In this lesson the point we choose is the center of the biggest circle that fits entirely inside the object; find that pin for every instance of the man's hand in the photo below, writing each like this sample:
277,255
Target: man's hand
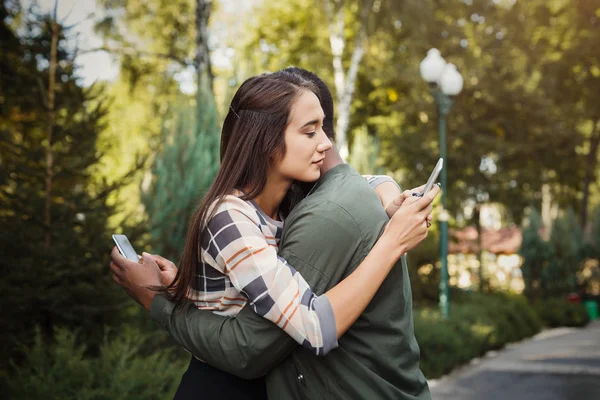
408,226
168,270
396,203
136,279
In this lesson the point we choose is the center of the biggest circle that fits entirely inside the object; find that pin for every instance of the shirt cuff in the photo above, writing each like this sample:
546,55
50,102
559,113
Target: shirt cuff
377,180
327,322
161,309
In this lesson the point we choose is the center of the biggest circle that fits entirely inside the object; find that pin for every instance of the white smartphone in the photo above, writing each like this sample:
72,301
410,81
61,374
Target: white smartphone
432,178
125,247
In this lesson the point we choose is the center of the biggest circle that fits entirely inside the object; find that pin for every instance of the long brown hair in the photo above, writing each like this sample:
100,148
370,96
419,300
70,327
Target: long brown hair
251,138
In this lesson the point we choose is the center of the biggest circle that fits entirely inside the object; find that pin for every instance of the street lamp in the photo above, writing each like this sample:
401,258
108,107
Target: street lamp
445,81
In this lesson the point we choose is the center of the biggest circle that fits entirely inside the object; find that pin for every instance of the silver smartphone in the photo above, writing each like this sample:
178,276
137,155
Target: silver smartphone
432,178
125,247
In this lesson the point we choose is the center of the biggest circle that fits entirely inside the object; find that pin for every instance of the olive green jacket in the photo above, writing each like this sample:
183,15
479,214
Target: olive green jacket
325,238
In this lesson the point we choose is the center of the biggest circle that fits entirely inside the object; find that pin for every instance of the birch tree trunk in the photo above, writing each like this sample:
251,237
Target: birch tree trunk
50,132
202,59
345,81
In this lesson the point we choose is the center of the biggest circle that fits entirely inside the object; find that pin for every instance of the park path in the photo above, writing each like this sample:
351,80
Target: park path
558,364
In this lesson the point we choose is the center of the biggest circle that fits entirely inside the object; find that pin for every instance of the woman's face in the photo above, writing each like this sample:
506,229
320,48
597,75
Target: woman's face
305,141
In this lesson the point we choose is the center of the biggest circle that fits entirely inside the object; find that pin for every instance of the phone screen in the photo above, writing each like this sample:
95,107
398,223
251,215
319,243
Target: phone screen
125,248
433,177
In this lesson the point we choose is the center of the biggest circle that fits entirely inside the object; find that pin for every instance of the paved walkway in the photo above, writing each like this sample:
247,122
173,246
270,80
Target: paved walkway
559,364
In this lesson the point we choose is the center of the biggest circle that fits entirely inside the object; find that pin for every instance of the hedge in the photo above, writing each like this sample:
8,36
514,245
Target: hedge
482,322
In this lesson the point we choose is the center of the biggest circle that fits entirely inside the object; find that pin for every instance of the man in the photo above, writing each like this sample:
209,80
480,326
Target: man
325,238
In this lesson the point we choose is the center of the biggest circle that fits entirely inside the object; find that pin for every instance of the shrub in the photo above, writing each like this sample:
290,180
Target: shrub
478,323
558,312
441,343
62,370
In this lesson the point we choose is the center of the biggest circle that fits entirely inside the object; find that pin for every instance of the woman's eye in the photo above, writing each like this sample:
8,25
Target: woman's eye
311,134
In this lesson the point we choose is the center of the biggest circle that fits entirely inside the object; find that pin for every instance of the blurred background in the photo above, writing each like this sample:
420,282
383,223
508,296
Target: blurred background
110,114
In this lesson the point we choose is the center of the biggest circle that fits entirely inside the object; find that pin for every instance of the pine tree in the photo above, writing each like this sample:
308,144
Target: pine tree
54,243
536,253
566,242
182,173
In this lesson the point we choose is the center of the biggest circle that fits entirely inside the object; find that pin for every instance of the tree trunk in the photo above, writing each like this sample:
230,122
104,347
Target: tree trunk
345,81
202,59
477,221
49,134
590,170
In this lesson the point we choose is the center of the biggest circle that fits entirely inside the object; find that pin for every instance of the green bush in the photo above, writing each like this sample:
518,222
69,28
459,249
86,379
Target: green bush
558,312
443,344
478,323
63,370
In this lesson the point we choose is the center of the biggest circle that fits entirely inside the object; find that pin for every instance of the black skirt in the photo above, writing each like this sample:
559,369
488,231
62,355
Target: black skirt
201,381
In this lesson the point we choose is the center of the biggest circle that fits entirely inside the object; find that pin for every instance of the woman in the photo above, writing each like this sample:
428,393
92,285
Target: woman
272,136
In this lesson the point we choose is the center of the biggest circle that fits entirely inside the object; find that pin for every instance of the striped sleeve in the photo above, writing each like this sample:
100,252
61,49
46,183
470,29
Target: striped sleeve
376,180
235,245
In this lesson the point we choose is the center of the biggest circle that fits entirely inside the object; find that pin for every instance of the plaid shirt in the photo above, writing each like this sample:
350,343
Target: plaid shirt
239,264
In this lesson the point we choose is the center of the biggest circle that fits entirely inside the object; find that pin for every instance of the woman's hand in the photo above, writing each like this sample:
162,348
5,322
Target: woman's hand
408,225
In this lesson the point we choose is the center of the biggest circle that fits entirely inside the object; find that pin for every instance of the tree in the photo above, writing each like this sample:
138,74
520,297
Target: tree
345,80
536,255
182,173
156,42
593,237
566,243
153,43
55,243
507,136
292,40
202,59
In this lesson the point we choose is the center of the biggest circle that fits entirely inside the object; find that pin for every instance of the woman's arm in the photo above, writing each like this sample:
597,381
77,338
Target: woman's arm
275,290
279,293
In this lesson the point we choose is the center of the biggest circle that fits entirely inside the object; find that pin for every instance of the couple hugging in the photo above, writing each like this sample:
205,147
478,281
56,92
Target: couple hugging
293,281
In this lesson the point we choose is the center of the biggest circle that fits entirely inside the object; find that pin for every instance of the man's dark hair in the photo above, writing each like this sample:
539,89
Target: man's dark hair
324,96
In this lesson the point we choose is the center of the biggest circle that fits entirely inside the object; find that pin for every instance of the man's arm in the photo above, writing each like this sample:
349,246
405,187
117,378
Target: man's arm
247,346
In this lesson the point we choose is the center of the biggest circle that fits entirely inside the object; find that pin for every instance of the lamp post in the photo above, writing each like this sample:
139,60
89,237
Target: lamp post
445,81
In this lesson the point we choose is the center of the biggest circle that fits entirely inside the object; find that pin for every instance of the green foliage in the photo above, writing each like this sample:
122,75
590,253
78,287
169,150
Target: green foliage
153,42
478,323
149,35
425,286
593,237
536,254
182,173
363,154
566,242
54,269
290,38
508,133
559,312
63,369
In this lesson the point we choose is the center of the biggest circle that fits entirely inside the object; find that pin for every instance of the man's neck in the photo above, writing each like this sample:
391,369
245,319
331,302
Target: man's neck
332,159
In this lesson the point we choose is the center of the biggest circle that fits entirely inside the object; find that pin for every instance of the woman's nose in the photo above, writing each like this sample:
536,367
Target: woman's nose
325,144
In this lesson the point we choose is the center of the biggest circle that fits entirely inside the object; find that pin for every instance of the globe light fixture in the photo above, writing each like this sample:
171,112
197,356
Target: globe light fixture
432,66
451,81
